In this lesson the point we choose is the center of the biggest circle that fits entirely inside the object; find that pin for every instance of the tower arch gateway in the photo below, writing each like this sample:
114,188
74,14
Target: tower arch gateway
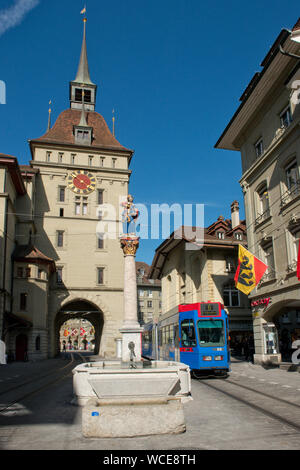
87,308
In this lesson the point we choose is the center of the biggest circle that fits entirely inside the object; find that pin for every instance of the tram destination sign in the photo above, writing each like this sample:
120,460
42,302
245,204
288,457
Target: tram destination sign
210,309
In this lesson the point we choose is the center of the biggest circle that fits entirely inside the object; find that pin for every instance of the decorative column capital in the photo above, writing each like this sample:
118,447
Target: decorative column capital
129,245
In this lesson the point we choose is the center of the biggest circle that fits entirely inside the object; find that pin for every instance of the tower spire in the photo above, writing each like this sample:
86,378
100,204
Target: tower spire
83,73
82,82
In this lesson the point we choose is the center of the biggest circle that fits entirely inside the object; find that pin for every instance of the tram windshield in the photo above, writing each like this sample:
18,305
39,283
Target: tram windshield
211,332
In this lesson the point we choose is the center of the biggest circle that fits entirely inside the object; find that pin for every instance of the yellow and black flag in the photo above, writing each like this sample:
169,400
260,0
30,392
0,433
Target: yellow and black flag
249,271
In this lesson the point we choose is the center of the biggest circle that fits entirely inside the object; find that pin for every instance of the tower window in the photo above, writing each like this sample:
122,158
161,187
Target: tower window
100,275
87,95
100,196
61,212
61,194
60,238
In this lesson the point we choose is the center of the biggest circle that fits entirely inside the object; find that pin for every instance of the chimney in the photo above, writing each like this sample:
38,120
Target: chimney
235,214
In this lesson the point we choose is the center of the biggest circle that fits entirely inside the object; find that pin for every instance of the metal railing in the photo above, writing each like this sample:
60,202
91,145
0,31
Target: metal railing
265,215
291,193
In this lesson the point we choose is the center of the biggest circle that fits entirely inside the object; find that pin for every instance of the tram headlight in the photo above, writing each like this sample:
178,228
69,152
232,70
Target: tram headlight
207,358
219,358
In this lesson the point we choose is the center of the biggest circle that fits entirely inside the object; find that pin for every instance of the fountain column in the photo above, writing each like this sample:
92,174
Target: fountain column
131,329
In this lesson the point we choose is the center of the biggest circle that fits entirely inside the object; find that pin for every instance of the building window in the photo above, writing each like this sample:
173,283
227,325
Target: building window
141,293
59,275
268,254
60,157
100,196
20,272
62,193
286,117
90,161
27,272
81,205
114,160
231,296
61,212
100,276
73,155
238,236
100,242
292,175
149,303
230,267
150,293
295,247
263,207
220,235
23,301
60,238
259,148
48,156
40,273
102,161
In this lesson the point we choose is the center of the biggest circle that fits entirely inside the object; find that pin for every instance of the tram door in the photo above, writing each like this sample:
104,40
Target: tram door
21,347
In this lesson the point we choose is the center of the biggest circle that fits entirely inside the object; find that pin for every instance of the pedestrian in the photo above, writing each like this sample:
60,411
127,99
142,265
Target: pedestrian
246,348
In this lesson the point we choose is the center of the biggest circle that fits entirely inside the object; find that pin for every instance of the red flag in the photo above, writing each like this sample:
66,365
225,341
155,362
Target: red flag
298,262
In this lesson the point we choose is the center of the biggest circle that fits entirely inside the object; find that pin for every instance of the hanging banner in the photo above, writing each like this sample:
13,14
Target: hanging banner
249,271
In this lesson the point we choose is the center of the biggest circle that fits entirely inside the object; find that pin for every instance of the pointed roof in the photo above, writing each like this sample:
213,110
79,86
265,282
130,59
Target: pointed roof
83,74
29,253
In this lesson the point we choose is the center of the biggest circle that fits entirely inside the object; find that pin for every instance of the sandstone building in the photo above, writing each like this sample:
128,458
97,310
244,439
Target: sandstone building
265,129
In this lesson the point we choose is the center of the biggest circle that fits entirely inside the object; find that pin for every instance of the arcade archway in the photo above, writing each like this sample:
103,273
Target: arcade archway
76,310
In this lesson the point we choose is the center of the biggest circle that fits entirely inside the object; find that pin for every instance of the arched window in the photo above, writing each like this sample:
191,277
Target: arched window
231,296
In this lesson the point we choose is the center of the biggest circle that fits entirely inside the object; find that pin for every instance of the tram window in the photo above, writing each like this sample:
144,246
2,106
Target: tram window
211,332
176,336
188,336
167,334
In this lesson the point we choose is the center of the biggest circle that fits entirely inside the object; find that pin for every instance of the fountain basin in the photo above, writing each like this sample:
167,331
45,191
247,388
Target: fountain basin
109,380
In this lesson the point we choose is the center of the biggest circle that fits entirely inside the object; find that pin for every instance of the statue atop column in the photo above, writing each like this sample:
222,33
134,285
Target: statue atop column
129,239
129,216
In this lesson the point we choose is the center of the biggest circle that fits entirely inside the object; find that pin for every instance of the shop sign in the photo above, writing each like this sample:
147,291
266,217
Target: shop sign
264,302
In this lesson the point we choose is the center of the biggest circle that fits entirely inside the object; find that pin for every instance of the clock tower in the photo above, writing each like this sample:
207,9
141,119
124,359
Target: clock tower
80,166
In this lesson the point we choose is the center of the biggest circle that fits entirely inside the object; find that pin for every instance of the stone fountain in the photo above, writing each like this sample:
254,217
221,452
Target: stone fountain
131,396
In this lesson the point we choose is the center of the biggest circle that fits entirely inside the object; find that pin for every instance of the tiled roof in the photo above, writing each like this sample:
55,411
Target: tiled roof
62,131
31,253
144,279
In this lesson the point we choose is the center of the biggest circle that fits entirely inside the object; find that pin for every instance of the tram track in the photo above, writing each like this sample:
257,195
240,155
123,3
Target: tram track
256,407
6,407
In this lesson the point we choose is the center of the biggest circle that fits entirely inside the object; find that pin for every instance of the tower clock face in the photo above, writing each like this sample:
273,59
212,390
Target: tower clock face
81,182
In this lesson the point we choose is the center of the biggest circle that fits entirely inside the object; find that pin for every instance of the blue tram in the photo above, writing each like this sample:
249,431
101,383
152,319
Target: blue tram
196,335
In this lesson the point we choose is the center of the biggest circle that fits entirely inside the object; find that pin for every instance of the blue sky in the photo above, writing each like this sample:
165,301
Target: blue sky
173,70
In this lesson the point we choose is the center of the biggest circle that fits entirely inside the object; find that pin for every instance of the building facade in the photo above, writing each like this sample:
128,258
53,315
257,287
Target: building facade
53,222
149,294
189,274
265,129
